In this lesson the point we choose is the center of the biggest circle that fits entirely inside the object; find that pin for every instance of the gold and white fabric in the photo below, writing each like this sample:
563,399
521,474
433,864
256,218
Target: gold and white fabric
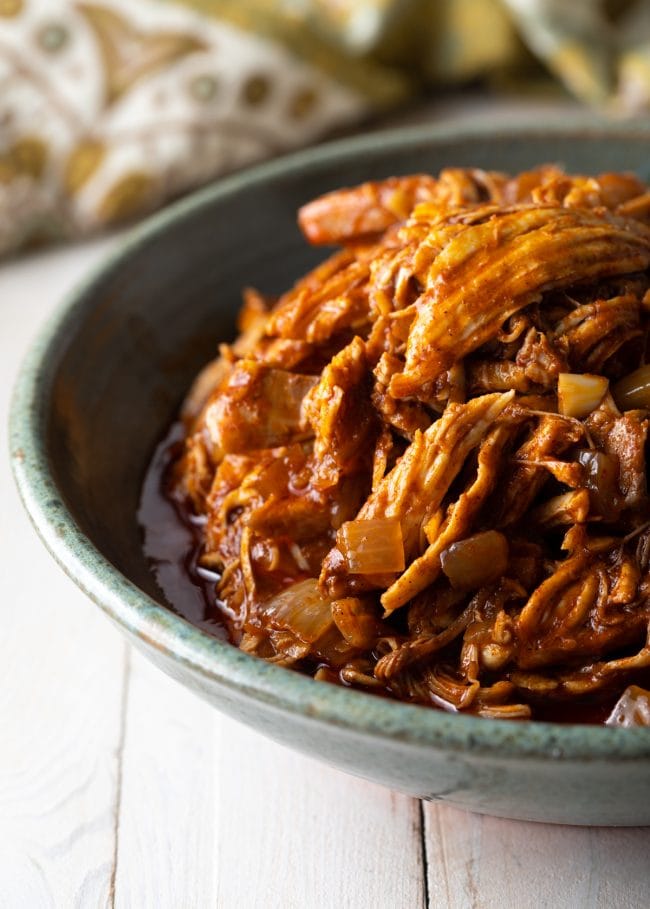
110,107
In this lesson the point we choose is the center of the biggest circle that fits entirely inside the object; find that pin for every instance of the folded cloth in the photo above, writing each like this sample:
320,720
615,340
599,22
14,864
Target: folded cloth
109,108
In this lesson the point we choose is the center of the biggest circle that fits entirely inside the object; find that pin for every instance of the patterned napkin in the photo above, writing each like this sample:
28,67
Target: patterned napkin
108,108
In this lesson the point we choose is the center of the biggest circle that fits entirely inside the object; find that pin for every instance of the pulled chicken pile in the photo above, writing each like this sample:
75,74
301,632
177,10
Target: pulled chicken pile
422,470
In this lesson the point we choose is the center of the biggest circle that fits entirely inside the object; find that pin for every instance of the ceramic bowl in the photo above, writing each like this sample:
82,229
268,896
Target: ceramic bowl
105,379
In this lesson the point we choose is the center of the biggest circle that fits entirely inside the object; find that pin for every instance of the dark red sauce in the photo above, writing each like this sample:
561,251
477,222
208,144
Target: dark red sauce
172,543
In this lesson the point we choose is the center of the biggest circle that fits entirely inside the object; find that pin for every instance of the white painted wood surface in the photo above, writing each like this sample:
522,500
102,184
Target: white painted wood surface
119,788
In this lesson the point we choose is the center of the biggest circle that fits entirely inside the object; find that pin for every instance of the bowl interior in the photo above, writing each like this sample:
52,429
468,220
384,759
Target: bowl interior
126,352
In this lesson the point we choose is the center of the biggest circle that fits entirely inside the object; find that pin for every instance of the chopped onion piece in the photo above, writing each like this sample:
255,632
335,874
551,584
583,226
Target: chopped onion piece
601,479
301,609
633,390
476,561
578,394
372,547
632,709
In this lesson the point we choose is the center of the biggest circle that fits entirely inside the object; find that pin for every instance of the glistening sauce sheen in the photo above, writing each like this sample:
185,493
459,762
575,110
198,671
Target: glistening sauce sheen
172,543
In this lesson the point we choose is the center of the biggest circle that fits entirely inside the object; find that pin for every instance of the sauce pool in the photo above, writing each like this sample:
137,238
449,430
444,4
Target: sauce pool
172,543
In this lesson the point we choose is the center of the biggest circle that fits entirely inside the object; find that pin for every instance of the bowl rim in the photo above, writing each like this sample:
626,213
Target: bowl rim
221,663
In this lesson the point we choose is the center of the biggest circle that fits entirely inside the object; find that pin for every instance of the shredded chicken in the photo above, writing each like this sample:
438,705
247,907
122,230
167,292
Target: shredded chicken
413,471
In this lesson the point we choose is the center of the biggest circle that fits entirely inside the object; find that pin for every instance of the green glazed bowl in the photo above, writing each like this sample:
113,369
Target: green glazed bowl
105,379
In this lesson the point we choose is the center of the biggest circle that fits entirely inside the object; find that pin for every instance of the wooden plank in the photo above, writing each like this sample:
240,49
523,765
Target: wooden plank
293,833
213,814
167,817
478,862
62,671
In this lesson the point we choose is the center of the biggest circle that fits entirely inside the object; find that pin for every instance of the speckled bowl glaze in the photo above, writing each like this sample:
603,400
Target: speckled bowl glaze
103,382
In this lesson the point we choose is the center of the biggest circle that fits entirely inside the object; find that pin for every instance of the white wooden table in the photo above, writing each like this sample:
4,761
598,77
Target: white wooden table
120,788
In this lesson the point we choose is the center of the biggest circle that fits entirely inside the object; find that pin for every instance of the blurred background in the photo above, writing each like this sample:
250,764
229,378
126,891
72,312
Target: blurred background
109,109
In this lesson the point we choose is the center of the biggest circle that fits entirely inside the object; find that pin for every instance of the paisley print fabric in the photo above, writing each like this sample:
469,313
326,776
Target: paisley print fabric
108,108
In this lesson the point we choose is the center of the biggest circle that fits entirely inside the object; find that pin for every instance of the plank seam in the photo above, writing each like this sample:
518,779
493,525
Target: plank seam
126,679
423,853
